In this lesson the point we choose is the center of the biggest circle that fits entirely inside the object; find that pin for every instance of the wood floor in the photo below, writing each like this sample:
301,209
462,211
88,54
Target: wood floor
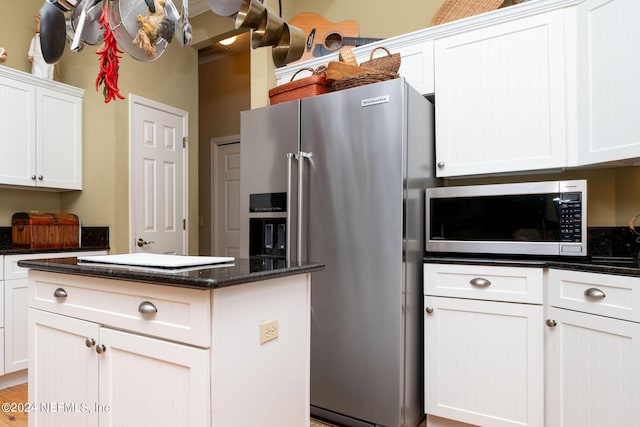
18,394
9,417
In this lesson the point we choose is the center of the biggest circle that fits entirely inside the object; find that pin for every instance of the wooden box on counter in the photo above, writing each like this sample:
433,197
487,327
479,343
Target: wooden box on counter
42,230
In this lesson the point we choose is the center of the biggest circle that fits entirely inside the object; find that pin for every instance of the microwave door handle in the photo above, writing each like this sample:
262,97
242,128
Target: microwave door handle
290,158
301,155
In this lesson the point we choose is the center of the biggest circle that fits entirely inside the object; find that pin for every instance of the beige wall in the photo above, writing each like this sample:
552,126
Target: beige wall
224,92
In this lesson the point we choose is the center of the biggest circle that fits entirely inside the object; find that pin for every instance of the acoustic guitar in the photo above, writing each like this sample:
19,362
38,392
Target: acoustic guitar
325,37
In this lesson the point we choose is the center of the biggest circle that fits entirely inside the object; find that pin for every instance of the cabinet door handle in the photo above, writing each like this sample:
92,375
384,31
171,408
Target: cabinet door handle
147,307
429,310
89,342
40,177
594,293
440,165
60,293
33,177
551,323
101,348
479,282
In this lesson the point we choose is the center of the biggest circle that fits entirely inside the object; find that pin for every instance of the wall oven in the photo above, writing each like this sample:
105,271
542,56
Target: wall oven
531,218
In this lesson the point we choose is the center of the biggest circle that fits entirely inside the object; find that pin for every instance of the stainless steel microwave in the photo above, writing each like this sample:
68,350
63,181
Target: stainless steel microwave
531,218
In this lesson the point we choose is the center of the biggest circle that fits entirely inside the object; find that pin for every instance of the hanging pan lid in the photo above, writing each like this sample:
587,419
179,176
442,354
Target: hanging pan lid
123,20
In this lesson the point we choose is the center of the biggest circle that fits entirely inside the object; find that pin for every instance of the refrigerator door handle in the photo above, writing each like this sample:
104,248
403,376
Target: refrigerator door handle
301,155
290,157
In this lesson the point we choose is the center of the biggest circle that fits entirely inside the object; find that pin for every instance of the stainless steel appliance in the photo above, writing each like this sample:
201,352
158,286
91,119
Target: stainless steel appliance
353,166
530,218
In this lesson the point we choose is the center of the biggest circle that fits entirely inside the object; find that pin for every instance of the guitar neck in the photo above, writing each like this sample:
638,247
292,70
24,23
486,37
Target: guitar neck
357,41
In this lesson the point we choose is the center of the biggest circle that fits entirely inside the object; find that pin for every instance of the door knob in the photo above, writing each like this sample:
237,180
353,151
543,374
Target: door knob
141,242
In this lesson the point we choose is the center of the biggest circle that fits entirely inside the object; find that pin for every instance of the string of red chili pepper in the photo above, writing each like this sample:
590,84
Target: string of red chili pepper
109,61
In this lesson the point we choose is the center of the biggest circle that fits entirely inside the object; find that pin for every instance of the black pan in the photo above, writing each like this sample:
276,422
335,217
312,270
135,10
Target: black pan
53,33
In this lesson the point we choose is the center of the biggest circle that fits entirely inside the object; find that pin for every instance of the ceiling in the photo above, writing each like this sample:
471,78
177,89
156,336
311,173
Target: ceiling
216,50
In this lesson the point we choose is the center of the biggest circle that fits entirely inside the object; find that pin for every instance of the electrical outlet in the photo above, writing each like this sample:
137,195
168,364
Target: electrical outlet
268,330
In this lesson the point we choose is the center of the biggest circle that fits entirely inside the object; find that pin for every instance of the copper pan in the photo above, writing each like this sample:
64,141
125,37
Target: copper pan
290,47
252,15
269,33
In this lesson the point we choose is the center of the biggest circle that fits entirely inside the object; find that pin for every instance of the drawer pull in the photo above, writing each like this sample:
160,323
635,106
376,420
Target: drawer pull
60,293
147,307
101,348
551,323
594,293
89,342
479,282
429,310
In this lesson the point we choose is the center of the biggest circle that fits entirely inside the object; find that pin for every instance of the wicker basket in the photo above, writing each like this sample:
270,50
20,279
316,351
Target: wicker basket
346,55
316,84
363,79
390,62
452,10
337,70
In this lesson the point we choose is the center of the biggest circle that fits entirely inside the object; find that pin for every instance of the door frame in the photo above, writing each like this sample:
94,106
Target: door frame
214,145
137,99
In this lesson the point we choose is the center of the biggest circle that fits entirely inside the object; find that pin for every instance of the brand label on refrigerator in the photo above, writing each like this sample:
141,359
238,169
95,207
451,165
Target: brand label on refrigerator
374,101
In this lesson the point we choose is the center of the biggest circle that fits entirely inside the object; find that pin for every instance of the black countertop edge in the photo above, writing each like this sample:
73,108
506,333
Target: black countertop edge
242,271
575,265
19,251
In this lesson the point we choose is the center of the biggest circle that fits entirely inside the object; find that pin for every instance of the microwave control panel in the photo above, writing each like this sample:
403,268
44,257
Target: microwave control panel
570,217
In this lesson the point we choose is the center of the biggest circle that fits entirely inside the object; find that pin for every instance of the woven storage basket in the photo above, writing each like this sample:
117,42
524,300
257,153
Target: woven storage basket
452,10
337,70
363,79
315,84
390,62
346,55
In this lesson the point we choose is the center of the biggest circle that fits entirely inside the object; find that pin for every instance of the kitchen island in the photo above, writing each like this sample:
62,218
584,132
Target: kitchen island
216,346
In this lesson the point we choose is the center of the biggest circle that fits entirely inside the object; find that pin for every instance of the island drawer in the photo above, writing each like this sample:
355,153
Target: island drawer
484,282
173,313
595,293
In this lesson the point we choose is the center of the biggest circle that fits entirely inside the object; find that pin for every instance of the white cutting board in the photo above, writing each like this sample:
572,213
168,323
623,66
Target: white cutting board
155,260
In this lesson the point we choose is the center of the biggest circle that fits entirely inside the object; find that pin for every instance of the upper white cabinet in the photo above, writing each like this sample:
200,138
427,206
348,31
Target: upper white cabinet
40,132
500,97
607,93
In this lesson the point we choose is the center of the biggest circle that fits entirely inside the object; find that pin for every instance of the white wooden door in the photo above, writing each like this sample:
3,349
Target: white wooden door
227,200
150,382
58,140
608,89
483,362
593,371
16,327
62,370
158,178
17,132
501,97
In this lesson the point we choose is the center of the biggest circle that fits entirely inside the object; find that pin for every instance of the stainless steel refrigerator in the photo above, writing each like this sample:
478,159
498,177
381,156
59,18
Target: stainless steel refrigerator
339,179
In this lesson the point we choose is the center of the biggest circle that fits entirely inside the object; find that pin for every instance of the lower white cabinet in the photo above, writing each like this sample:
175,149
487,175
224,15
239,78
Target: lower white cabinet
93,369
15,297
593,350
484,357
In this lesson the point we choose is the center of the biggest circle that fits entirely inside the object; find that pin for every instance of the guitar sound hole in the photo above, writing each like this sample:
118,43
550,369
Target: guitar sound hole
333,41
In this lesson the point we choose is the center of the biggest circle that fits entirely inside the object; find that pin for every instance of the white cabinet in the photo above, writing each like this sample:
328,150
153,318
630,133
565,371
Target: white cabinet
483,345
114,378
593,350
500,96
40,132
607,95
15,302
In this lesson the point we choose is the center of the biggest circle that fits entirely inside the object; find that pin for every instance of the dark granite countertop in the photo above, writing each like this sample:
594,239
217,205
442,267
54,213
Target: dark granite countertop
241,271
587,264
9,250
